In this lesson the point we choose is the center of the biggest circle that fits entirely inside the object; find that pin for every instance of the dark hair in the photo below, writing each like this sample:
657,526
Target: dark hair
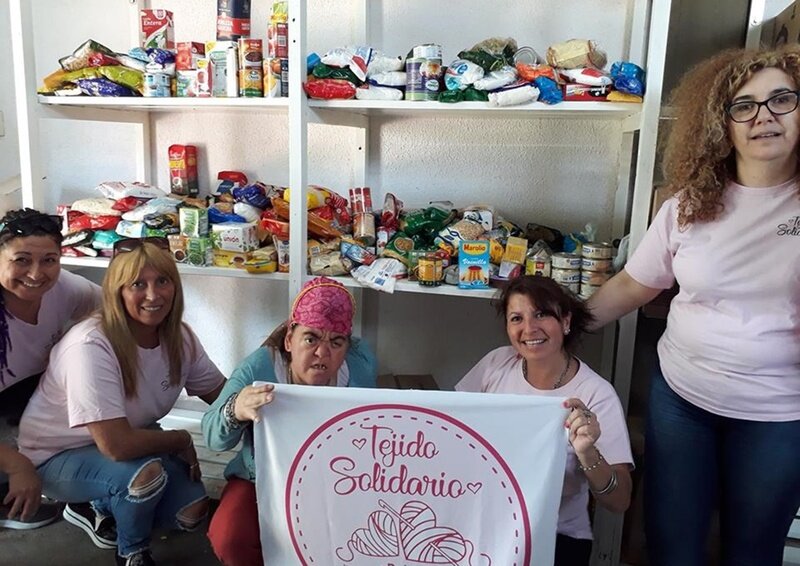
19,224
552,299
29,222
277,341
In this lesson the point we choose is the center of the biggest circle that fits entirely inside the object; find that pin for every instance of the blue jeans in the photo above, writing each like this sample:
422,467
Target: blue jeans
84,474
695,460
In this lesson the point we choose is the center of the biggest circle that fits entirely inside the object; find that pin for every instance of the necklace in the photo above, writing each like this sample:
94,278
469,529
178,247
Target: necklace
557,384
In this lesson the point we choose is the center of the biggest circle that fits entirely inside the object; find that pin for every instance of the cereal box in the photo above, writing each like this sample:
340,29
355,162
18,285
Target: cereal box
473,264
156,29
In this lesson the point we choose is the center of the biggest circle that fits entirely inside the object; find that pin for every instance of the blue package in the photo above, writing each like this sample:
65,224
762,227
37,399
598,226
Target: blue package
103,87
216,216
628,77
549,92
254,195
312,61
160,56
139,53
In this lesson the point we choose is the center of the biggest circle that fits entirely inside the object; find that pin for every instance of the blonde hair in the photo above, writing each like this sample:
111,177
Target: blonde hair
699,159
123,271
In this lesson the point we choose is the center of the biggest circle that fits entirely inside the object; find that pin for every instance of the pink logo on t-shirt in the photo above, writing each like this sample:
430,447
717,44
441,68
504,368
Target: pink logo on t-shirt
393,484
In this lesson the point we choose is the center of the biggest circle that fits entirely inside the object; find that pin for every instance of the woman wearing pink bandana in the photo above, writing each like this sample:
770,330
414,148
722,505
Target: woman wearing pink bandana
313,347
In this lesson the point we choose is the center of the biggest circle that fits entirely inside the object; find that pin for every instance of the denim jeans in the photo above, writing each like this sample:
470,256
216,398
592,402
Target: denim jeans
696,460
84,474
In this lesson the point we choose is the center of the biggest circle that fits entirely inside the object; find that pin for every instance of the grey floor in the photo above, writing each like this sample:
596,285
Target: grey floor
61,544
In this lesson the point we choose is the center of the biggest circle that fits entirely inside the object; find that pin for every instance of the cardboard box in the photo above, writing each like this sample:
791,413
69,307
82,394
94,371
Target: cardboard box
783,29
409,381
473,264
189,53
225,258
156,29
234,236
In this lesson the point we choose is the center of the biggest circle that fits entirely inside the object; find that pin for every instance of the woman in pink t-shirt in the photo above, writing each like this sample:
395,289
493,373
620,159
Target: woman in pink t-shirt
723,424
91,426
37,303
544,323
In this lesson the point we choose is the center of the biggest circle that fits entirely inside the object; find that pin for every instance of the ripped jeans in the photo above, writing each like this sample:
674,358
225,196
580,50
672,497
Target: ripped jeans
84,474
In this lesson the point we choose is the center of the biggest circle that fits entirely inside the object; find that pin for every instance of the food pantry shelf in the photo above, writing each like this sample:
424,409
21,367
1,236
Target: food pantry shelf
165,104
578,110
406,286
102,263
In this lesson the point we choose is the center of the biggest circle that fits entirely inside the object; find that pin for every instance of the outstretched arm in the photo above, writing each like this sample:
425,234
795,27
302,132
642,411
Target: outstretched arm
617,297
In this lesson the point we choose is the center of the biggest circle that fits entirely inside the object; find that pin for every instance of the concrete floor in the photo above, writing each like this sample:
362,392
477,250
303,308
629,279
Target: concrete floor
62,544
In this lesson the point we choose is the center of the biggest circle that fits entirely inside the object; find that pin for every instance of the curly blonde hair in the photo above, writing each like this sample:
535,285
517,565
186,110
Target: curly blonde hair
699,158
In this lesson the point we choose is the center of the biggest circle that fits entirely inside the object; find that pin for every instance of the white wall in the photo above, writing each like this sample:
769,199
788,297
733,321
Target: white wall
9,148
560,173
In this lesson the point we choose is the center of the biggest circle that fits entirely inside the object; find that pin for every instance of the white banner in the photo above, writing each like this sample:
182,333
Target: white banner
378,477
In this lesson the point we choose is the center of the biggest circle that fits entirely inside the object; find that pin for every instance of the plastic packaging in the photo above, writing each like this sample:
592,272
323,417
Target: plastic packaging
390,78
380,63
103,87
549,92
355,58
328,89
497,79
120,189
511,97
586,76
80,57
378,93
462,73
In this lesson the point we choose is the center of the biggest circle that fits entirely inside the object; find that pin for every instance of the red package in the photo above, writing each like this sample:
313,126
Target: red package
390,215
277,227
98,59
126,204
92,222
530,72
329,89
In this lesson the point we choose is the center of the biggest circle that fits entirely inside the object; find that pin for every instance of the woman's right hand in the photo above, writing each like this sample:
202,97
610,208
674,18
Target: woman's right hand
24,492
250,399
189,455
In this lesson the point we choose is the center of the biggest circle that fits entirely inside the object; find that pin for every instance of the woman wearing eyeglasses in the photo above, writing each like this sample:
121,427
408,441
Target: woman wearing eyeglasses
91,426
313,347
37,303
724,413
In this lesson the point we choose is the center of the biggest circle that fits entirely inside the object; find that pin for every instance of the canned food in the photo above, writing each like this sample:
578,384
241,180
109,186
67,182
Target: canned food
563,260
430,271
587,290
565,276
594,277
597,250
364,228
590,264
537,266
574,287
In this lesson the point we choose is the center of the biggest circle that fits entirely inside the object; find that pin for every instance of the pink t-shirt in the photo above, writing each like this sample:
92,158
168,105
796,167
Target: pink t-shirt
83,385
71,298
500,371
732,343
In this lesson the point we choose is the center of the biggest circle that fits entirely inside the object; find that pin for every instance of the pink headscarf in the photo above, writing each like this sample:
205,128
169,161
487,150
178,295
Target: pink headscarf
324,304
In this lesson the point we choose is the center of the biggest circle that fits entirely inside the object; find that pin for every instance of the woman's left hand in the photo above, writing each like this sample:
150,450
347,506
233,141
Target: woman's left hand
584,430
24,493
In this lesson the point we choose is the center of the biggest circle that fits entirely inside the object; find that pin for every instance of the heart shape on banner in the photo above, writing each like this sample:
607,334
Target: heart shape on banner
474,487
359,442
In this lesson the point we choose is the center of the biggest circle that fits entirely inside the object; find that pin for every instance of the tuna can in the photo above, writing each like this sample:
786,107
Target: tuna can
156,85
573,287
597,250
564,260
537,266
589,264
587,290
565,276
594,277
430,271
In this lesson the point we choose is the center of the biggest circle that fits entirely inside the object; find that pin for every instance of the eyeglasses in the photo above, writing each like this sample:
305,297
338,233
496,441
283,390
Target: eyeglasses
31,225
779,104
131,244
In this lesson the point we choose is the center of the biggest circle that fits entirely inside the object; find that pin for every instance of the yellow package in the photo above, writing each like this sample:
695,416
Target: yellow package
314,198
516,249
496,252
617,96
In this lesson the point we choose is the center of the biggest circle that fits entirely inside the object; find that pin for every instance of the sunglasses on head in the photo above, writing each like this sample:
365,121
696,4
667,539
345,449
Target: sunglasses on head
28,226
131,244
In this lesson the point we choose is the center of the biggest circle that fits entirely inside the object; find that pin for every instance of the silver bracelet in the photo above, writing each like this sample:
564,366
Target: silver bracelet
229,412
610,487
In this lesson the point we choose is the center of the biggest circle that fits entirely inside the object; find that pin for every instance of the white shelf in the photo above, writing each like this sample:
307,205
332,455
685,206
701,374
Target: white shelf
577,110
164,104
406,286
102,263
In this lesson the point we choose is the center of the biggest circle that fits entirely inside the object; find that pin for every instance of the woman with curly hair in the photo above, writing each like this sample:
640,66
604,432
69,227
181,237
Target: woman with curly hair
544,323
724,413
